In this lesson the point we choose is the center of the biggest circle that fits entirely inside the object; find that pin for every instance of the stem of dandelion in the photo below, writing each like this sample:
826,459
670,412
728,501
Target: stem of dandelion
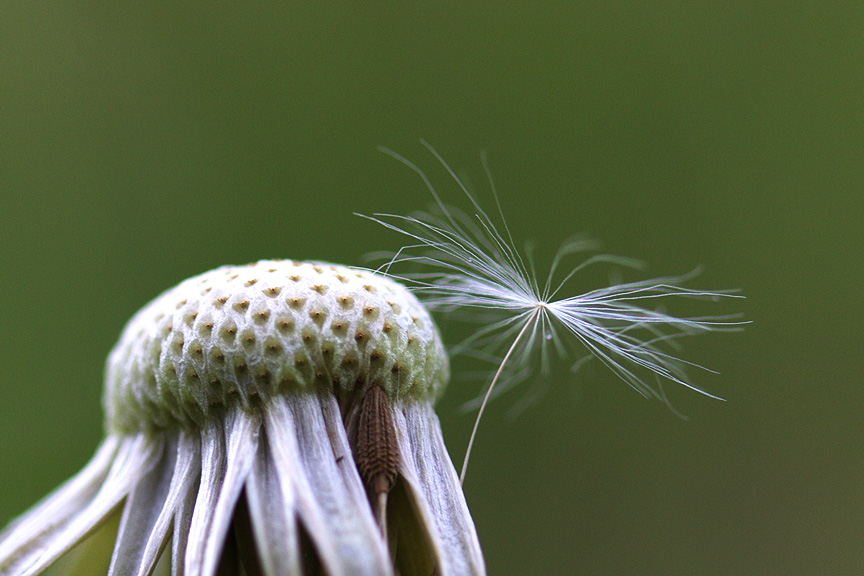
489,392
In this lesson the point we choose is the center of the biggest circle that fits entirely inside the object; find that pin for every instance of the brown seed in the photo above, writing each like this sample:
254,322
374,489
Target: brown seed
377,453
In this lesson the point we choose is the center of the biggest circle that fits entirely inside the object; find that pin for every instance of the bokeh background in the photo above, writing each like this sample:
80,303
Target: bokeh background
142,143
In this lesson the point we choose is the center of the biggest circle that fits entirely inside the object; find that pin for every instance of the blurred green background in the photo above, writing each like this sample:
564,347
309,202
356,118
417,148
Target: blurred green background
142,143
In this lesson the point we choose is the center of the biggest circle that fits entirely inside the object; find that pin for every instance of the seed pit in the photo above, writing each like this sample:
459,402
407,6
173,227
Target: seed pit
272,291
262,316
241,306
296,302
318,316
285,325
228,333
273,348
249,340
346,302
285,382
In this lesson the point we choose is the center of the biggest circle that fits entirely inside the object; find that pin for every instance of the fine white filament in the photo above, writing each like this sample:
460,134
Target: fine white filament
469,263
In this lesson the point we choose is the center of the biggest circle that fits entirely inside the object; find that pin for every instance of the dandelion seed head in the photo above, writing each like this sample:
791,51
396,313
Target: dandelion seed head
240,334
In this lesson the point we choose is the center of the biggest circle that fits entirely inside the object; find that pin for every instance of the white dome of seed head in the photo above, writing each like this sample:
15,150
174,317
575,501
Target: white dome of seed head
240,334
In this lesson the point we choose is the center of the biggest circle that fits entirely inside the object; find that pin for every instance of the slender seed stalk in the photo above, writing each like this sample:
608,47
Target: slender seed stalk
491,386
